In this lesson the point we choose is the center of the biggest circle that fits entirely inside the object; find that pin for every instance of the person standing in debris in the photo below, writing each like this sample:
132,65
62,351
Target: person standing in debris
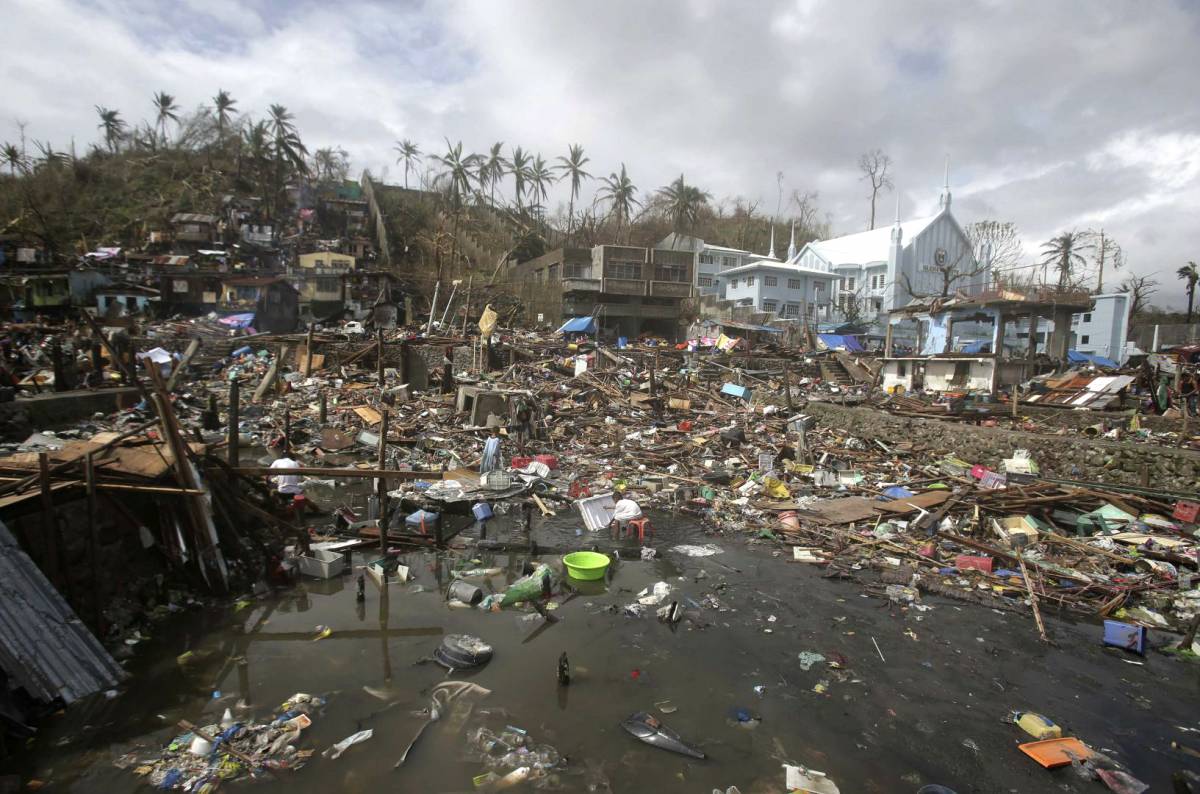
287,486
448,370
523,426
491,453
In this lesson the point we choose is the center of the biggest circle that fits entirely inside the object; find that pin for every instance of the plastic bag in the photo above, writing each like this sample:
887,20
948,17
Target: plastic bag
526,588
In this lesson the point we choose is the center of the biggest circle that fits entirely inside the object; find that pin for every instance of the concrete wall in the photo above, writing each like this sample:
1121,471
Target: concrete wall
1066,457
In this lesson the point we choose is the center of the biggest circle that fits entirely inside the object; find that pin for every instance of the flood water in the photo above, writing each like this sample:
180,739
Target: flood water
927,706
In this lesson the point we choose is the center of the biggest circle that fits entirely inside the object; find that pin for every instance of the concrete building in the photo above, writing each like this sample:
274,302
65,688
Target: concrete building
1103,331
789,290
631,290
709,261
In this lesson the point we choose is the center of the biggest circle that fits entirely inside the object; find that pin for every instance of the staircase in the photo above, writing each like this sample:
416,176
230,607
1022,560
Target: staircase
832,371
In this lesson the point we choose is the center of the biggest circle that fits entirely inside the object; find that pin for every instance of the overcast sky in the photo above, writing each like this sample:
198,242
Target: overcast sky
1057,116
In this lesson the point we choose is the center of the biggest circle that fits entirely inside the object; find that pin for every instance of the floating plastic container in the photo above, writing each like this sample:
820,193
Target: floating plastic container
496,480
1125,635
241,351
1036,725
422,519
1054,753
482,511
586,565
551,461
323,564
521,461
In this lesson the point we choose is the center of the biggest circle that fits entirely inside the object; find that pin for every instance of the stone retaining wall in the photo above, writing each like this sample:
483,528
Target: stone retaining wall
1067,457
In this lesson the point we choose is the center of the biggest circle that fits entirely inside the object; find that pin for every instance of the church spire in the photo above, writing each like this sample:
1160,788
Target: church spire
897,231
771,253
792,244
944,201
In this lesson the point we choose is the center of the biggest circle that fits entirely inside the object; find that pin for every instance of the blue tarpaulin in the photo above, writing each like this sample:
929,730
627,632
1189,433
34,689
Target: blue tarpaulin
579,325
1075,357
837,341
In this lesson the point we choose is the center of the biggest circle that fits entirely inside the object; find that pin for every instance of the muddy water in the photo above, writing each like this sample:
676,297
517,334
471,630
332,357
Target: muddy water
925,708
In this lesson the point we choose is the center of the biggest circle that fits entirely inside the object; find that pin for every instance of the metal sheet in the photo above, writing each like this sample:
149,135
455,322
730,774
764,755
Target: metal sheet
44,647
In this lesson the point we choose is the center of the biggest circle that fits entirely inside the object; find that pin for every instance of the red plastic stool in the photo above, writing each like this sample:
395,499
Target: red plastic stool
642,525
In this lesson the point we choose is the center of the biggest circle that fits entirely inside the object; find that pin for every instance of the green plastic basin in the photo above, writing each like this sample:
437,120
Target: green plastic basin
586,565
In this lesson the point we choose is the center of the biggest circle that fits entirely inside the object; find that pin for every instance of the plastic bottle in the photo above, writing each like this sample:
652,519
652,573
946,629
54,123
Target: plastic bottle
1036,725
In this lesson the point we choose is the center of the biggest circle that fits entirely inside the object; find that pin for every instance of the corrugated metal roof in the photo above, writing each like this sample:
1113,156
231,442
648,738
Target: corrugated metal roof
44,647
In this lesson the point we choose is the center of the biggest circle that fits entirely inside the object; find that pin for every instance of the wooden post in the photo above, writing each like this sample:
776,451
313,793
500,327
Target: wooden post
1033,600
322,407
1016,387
402,364
308,352
231,438
433,308
183,363
381,492
50,534
89,471
653,385
287,431
467,306
787,385
379,362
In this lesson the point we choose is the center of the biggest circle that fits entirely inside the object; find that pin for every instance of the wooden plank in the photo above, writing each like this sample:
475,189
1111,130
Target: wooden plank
183,363
909,504
368,414
266,471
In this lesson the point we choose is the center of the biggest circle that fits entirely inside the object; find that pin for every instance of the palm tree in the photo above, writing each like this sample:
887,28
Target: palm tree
492,167
256,139
518,166
1065,253
458,174
1191,274
165,107
12,158
287,144
683,203
572,166
409,153
540,179
113,126
621,194
224,106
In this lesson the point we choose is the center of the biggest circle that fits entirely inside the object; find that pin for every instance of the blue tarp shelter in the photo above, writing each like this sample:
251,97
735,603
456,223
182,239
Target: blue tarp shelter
578,325
1075,357
840,342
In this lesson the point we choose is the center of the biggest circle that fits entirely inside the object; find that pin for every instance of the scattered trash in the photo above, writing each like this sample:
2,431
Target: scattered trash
462,652
335,752
654,733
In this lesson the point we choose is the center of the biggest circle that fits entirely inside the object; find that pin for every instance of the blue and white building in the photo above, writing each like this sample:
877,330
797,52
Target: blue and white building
878,270
788,289
710,261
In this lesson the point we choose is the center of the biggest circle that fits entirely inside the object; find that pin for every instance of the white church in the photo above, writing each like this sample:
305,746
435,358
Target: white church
880,270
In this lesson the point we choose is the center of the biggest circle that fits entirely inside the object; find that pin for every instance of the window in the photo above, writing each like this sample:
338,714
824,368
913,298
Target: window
552,272
876,282
733,283
770,306
329,284
1087,318
728,261
179,285
675,273
795,283
791,310
1083,340
849,280
704,281
629,270
770,281
749,281
818,288
706,259
539,275
576,271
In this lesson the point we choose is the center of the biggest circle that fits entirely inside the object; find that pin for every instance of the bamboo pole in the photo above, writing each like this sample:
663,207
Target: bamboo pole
89,470
232,434
308,352
1033,600
381,462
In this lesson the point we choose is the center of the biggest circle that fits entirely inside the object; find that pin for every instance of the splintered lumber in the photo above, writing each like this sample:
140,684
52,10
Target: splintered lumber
183,363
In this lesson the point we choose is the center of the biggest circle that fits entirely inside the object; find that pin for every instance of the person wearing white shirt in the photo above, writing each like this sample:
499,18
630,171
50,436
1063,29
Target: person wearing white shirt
286,485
